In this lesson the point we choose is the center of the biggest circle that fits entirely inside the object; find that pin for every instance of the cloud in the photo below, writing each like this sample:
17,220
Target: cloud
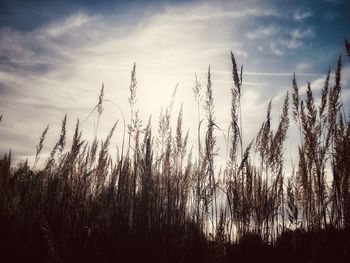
299,33
72,23
283,45
263,32
59,67
301,15
248,12
290,41
219,11
276,49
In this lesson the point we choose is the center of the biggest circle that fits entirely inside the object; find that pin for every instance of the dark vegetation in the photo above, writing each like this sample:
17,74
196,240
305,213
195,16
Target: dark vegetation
155,204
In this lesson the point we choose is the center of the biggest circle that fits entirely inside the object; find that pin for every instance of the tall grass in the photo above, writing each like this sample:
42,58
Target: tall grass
84,205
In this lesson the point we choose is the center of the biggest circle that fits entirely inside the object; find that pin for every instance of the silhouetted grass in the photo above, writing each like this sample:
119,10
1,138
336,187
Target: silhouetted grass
153,203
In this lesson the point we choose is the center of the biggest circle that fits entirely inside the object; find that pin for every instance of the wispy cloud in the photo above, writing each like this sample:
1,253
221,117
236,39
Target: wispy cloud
72,23
300,15
299,33
276,49
205,12
263,32
283,45
291,41
59,67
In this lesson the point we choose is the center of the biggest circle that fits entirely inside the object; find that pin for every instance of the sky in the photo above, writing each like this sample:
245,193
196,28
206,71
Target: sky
55,55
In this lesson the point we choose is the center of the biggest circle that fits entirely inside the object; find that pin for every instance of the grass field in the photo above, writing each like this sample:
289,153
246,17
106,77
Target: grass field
155,203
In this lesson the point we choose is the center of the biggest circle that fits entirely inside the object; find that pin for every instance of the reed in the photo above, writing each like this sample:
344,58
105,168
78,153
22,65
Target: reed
85,205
